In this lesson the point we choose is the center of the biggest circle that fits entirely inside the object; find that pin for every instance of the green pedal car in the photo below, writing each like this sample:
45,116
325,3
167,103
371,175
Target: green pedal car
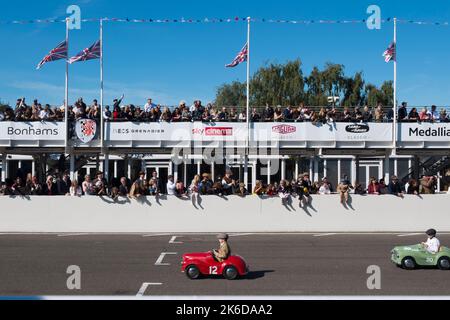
411,257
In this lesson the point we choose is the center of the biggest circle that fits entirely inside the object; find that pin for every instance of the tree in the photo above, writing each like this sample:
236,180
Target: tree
387,89
233,94
353,90
333,79
284,84
315,92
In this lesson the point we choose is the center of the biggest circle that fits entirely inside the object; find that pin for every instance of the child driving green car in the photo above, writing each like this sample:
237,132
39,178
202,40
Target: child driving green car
432,245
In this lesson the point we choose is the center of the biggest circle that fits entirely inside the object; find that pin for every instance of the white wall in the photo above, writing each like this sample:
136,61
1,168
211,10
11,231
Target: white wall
251,214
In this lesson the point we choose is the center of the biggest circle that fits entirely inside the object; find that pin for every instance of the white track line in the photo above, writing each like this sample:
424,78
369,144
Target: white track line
172,240
324,234
159,261
145,286
72,234
409,234
156,235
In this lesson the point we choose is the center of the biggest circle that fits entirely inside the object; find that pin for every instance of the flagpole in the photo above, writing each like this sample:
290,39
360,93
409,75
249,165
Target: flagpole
247,144
66,91
101,87
395,88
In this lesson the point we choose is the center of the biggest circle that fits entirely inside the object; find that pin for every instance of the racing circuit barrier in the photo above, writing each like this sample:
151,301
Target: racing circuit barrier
219,214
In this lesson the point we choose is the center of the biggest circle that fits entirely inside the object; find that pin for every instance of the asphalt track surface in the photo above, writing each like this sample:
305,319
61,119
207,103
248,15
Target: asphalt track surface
286,265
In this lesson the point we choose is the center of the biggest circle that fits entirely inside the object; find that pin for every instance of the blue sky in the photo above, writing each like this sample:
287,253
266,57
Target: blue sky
171,62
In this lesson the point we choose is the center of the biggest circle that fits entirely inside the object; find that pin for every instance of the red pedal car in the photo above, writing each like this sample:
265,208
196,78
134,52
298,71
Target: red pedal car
197,264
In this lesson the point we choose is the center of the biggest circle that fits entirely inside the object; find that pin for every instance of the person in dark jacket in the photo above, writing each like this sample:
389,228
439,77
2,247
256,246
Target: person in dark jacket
63,184
395,187
49,188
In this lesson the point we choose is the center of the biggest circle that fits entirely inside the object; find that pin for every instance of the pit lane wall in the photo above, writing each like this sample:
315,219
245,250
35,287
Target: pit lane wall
231,214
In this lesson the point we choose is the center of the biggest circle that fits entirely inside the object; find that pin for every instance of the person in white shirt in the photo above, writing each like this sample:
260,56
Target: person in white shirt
44,114
171,186
432,245
149,106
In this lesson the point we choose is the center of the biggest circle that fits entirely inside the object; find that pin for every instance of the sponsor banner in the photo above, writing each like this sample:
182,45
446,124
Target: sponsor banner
306,131
182,131
152,131
86,130
424,132
34,131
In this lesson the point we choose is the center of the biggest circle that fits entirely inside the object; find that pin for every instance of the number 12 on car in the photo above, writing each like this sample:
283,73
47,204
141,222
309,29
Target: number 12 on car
212,270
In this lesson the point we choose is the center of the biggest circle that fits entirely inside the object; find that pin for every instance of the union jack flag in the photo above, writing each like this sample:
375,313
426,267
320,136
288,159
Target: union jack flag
93,52
241,57
60,52
390,53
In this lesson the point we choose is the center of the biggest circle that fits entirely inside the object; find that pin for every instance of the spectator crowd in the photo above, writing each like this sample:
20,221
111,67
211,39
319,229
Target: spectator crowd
151,112
226,185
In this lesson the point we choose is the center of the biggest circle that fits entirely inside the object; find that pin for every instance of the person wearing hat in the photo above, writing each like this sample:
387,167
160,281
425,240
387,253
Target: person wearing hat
224,250
432,245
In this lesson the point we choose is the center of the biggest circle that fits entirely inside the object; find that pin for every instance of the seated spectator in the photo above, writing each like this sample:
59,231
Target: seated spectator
75,190
304,189
34,188
171,186
99,184
443,116
324,189
258,189
255,116
123,188
379,113
359,189
425,115
153,189
233,116
205,185
434,114
413,115
395,187
413,187
287,114
18,187
176,115
241,190
242,116
217,188
107,114
223,115
271,190
49,188
382,187
268,114
283,192
343,190
403,112
374,187
428,185
358,115
346,115
206,117
278,114
228,182
45,113
194,187
87,186
166,115
367,115
63,184
180,189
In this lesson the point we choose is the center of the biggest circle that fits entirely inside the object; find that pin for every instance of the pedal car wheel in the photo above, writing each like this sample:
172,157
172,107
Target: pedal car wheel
444,263
230,273
192,272
408,263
